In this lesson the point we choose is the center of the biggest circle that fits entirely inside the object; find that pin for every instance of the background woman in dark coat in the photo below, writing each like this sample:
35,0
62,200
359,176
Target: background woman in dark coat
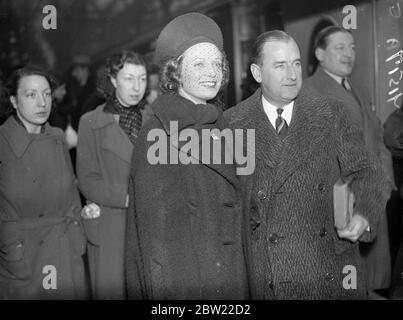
105,147
185,228
41,240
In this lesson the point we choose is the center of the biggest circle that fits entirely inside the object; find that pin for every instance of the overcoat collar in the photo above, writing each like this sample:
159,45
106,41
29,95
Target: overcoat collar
102,118
309,126
169,107
116,139
18,137
172,107
332,88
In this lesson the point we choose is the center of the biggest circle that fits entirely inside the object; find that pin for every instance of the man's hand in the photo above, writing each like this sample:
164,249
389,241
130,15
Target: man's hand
355,228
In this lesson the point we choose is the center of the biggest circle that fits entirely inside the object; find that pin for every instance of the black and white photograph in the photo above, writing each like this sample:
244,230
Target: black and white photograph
201,157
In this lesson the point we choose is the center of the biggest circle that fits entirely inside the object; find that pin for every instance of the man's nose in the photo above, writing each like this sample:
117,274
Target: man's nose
349,52
41,101
292,74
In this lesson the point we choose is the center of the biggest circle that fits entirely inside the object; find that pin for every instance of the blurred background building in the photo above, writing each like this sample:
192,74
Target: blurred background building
99,28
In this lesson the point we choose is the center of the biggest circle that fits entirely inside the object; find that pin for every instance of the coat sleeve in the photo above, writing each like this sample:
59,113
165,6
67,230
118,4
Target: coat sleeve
90,179
364,170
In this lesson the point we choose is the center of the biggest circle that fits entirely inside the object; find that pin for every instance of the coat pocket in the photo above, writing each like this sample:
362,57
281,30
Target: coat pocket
77,238
14,261
91,228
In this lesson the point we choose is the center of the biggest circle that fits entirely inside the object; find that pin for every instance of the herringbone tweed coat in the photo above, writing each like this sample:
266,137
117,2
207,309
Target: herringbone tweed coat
295,248
358,108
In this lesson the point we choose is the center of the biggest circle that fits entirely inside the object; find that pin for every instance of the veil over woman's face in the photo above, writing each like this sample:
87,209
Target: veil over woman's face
201,73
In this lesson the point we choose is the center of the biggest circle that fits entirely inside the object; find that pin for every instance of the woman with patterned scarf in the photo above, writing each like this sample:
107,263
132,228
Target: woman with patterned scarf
105,145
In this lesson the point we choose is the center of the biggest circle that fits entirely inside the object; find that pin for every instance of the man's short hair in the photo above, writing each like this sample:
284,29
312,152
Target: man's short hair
321,39
273,35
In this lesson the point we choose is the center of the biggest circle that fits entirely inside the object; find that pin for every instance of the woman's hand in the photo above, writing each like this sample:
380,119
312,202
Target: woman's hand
91,211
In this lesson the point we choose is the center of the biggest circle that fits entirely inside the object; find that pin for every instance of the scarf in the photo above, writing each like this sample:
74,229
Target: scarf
130,118
170,107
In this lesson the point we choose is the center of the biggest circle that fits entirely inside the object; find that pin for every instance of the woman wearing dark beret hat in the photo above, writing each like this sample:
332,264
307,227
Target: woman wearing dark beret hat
185,227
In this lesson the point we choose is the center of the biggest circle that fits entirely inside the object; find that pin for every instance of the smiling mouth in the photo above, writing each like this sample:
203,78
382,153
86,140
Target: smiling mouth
210,84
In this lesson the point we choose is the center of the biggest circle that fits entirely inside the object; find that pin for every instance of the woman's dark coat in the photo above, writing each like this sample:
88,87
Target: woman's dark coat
40,231
185,231
104,154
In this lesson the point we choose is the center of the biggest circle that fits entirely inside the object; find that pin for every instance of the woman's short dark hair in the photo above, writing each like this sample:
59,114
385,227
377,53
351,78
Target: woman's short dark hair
170,74
112,66
14,80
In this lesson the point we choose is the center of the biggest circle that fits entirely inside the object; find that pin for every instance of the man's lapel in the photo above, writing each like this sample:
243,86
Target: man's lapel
254,117
305,133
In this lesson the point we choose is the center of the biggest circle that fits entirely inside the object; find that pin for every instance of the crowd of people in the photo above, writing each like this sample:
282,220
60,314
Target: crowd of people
81,198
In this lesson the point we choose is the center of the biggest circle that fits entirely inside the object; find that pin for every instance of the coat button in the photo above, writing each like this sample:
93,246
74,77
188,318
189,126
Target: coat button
329,276
273,238
261,195
321,187
229,204
323,232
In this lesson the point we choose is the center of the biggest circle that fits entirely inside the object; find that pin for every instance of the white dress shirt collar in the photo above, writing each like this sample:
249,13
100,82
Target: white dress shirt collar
271,111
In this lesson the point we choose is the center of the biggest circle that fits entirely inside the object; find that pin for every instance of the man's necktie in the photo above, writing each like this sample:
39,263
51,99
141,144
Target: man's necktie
345,84
281,124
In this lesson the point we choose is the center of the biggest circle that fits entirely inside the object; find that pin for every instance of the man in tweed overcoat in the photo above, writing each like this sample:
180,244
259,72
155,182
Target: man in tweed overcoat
334,49
300,154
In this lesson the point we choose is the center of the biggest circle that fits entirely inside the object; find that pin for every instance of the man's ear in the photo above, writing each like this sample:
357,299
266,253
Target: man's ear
256,71
319,53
